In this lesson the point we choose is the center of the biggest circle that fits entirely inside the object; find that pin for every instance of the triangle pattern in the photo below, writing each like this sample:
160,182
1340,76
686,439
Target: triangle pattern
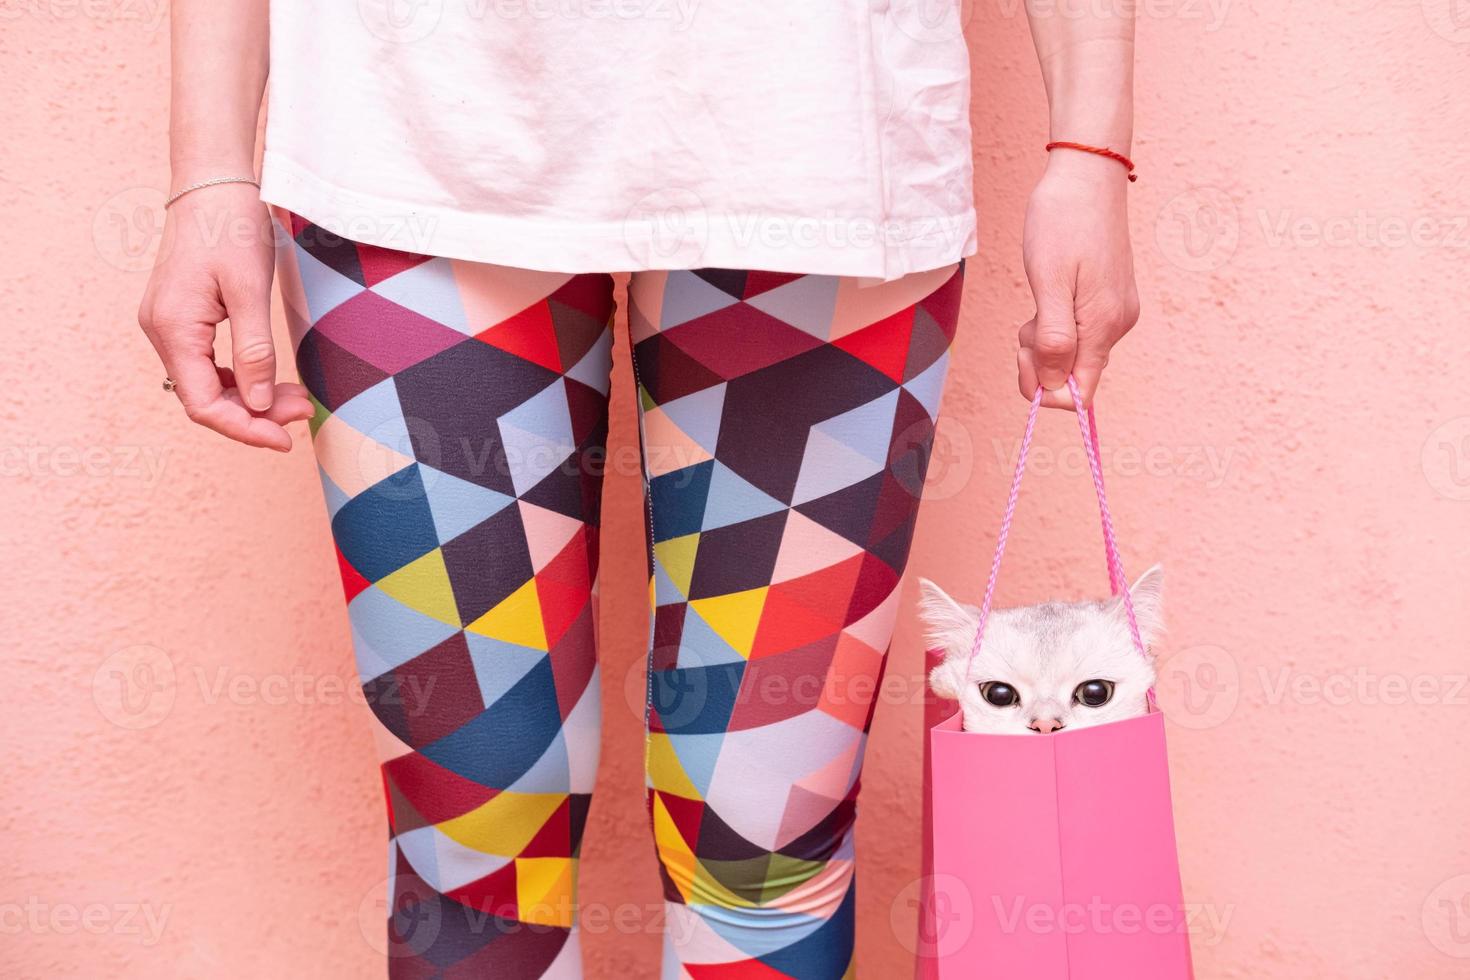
460,419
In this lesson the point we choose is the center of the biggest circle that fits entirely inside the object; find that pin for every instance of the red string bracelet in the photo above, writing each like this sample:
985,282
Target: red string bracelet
1101,151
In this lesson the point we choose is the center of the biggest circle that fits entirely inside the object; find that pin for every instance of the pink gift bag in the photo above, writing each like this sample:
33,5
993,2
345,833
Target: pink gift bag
1053,856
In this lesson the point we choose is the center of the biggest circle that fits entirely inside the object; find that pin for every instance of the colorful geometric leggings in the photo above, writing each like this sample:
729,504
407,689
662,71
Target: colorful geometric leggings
786,424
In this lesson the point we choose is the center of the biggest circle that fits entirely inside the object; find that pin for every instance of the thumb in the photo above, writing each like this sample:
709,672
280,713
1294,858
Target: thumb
253,349
1088,372
1054,340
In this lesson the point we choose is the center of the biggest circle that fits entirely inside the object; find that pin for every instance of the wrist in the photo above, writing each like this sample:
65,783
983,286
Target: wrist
233,193
1079,165
1110,126
189,166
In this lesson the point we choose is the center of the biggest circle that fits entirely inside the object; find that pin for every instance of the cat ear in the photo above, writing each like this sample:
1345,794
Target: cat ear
948,678
1147,593
948,626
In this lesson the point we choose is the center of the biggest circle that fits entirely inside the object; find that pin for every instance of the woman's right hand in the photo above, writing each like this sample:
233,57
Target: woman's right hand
215,264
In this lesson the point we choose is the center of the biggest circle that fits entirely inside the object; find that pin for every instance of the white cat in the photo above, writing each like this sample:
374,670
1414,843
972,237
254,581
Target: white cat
1045,668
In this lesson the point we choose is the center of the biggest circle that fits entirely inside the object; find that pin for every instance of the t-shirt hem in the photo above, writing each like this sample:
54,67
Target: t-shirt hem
662,232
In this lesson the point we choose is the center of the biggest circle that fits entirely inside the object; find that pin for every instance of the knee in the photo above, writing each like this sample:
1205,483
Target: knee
795,859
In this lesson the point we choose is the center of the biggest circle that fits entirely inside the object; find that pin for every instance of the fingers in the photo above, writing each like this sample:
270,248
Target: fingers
1088,372
1028,375
183,343
291,402
253,350
1053,338
209,403
287,406
1050,353
1026,364
290,408
205,282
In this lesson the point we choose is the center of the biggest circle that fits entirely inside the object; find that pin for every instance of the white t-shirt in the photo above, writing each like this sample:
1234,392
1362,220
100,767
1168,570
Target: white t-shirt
803,136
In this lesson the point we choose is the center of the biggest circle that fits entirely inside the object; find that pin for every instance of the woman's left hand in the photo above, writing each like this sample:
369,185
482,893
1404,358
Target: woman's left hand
1079,261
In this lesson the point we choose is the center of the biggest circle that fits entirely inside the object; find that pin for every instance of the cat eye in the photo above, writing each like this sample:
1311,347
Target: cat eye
1094,694
1000,694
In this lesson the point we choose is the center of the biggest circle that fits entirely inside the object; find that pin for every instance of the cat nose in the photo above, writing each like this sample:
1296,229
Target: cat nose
1045,726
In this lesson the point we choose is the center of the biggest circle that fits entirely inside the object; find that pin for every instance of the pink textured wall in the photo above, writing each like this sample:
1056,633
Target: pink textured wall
188,790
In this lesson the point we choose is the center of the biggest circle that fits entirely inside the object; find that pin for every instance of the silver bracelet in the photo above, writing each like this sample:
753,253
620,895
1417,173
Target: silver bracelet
209,183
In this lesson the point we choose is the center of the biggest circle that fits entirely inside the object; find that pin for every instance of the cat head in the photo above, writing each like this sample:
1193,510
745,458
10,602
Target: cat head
1048,667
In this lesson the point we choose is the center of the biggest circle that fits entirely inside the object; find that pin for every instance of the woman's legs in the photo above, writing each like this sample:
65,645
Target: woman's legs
460,428
787,423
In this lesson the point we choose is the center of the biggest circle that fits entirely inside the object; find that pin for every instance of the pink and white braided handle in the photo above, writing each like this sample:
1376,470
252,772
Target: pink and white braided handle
1118,582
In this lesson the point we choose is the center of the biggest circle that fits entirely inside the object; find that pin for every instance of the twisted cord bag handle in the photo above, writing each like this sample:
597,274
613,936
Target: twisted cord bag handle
1117,580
